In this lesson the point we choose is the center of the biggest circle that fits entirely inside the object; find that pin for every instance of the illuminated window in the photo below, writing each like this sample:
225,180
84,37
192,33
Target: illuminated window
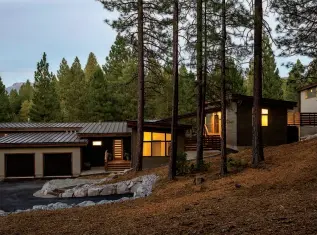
265,117
168,137
147,136
311,93
147,149
159,136
97,143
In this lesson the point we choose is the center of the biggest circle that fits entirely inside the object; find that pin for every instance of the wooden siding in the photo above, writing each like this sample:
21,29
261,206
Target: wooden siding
273,134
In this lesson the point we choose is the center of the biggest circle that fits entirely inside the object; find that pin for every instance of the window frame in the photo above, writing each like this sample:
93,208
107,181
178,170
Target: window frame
156,141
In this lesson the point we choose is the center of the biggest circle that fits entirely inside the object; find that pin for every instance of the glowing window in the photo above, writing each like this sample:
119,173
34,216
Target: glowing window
168,137
159,136
97,143
147,149
265,117
147,136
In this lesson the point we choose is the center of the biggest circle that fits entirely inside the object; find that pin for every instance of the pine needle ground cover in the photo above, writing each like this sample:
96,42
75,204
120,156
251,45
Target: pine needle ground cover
280,198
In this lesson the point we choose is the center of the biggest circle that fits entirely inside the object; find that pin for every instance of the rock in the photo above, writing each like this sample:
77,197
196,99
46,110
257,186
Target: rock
81,191
108,189
238,185
67,193
2,213
39,207
92,192
130,184
124,199
86,203
141,191
122,188
199,180
103,202
58,205
126,171
135,187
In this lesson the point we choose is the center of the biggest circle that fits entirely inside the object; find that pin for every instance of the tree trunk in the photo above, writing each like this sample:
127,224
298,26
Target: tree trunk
257,146
199,48
223,169
139,147
172,166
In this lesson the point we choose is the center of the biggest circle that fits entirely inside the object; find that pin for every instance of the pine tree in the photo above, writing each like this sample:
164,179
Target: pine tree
272,82
26,91
76,99
187,98
5,104
296,79
15,104
46,106
24,114
63,86
91,67
297,26
100,107
312,71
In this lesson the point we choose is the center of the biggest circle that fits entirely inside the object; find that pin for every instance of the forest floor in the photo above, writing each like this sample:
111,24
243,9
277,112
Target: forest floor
279,198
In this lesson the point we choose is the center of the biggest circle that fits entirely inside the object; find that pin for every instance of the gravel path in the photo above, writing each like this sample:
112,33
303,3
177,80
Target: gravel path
19,195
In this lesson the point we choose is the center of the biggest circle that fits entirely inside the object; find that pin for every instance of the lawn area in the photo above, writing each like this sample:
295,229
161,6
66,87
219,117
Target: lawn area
280,198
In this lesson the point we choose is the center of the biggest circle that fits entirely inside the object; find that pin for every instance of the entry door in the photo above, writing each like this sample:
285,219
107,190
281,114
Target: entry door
117,149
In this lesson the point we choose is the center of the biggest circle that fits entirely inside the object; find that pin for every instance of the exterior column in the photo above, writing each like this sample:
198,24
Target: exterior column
76,162
2,166
39,165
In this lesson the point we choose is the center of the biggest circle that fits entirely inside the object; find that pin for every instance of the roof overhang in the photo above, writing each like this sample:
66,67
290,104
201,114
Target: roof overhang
43,145
308,87
158,125
99,135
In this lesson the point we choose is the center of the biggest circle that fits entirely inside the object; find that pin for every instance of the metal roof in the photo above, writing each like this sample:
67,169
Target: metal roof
42,138
82,128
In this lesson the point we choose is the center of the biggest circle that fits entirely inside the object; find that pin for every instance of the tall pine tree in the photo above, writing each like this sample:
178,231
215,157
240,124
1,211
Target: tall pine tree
15,104
26,91
296,79
46,107
5,104
91,67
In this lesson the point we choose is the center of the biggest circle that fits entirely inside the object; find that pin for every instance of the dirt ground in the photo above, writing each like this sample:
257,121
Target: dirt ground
279,198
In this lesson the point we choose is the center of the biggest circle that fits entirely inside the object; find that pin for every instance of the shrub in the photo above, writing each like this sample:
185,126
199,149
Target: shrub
182,165
236,164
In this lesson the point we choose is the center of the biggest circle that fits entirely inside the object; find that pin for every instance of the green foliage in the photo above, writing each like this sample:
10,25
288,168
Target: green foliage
5,104
46,107
272,82
183,166
91,67
99,106
24,114
26,91
236,164
15,104
296,79
186,86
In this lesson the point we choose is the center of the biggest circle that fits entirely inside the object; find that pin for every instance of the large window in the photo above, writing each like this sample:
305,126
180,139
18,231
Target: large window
213,123
265,117
156,144
311,93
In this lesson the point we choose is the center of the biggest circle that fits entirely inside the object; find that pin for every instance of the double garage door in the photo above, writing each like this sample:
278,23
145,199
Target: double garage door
23,165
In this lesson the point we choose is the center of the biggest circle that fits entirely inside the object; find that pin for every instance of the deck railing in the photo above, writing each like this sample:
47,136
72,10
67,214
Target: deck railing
211,142
301,119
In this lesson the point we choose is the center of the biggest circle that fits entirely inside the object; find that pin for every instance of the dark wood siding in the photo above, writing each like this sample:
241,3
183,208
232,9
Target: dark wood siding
273,134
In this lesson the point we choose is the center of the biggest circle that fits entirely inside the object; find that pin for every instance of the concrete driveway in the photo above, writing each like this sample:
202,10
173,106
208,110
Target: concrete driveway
19,196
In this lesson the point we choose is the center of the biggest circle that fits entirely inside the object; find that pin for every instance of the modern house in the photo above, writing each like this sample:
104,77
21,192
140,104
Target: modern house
307,120
275,130
66,149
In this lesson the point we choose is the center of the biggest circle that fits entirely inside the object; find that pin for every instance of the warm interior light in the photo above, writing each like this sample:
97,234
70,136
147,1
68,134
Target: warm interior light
265,117
97,143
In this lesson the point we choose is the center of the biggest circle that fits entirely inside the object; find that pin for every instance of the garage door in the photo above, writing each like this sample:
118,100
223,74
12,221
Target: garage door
19,165
58,164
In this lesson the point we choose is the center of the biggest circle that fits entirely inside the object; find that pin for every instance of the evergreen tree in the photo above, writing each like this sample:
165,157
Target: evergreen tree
5,104
272,82
46,107
296,79
26,91
297,26
91,67
64,78
76,99
15,104
24,114
187,99
99,106
312,71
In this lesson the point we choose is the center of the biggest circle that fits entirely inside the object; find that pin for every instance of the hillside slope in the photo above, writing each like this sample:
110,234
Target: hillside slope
280,198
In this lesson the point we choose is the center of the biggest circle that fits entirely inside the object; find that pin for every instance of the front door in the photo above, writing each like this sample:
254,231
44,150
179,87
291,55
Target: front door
117,149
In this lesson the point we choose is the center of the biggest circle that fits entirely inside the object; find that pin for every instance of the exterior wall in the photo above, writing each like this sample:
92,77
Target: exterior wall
76,158
307,130
232,126
273,134
307,105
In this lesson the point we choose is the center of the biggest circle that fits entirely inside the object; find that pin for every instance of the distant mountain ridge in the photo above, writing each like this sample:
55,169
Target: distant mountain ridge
15,86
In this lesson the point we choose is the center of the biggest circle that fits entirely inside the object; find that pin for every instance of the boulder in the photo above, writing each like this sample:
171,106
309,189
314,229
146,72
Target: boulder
81,191
108,189
3,213
58,205
126,171
39,207
122,188
86,203
141,191
67,193
92,192
103,202
199,180
135,186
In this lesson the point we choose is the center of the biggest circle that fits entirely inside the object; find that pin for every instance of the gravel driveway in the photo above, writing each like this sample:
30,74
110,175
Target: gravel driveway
19,195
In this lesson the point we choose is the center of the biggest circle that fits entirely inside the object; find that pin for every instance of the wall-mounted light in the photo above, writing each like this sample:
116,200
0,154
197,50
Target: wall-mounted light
97,143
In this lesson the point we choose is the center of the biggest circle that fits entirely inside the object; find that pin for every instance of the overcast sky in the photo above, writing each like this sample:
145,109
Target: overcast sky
61,28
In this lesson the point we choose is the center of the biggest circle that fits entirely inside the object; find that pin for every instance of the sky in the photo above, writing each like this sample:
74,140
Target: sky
61,28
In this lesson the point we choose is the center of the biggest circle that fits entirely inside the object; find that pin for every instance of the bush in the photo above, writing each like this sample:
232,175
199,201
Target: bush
236,164
184,167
